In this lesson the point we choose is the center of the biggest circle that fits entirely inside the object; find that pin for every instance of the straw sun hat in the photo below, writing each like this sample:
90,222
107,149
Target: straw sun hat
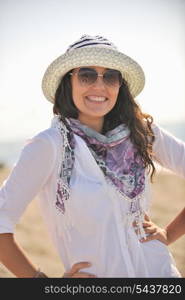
92,51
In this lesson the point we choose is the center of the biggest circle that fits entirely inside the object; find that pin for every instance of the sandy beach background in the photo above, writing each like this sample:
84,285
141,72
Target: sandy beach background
168,199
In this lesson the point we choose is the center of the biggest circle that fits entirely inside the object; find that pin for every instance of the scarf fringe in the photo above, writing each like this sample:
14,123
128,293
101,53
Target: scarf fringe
63,189
136,211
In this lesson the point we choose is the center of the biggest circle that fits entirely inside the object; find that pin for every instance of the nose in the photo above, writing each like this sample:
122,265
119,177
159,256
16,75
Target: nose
99,83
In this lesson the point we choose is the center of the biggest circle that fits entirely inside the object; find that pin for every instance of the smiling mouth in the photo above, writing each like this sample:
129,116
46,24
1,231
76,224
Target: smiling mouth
97,99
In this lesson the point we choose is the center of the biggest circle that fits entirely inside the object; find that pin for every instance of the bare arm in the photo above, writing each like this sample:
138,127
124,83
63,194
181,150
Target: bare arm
13,257
15,260
24,182
176,228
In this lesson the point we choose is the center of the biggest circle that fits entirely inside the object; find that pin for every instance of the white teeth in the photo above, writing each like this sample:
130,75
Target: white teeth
96,98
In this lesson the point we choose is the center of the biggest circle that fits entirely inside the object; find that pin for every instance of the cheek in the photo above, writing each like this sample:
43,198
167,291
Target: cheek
76,93
74,90
114,96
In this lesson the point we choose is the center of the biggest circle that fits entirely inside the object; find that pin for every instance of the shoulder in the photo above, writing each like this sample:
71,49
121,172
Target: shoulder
156,129
160,132
163,136
46,142
49,136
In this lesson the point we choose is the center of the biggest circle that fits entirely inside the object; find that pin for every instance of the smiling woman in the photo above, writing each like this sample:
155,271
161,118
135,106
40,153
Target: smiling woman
92,169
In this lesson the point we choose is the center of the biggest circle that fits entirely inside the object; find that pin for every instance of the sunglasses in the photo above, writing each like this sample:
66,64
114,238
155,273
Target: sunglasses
88,76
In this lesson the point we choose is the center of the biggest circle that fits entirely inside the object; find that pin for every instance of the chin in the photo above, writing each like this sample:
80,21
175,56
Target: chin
97,115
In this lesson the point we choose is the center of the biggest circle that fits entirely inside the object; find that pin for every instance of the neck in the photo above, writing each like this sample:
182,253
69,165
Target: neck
93,123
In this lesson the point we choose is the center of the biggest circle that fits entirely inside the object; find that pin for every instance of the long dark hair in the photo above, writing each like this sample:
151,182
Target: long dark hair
126,111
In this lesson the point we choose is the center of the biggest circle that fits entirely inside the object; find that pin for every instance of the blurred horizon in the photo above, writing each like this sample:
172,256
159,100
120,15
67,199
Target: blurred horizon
177,128
10,150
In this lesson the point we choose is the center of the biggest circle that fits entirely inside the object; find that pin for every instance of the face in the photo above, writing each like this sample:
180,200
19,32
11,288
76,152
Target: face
94,100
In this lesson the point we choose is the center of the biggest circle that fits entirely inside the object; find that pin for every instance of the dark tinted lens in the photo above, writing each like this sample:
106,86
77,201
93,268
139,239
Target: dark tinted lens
87,75
113,77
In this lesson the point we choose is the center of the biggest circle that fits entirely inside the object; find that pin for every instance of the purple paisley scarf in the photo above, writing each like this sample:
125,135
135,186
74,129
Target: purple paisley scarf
114,153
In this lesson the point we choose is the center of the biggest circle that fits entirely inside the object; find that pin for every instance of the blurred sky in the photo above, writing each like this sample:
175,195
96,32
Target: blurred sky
33,33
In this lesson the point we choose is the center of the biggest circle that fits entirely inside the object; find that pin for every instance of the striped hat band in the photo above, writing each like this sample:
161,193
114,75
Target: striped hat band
87,40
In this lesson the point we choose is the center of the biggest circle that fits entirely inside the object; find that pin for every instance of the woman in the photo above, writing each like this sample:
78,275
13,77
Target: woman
92,169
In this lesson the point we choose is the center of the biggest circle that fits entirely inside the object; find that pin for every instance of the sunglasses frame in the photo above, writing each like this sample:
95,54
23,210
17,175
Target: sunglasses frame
98,75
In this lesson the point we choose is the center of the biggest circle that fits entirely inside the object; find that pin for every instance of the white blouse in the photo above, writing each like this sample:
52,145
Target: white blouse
94,226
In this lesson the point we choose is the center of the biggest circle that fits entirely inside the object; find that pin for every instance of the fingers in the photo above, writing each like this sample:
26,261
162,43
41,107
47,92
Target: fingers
151,230
146,217
76,267
159,234
150,237
147,224
74,272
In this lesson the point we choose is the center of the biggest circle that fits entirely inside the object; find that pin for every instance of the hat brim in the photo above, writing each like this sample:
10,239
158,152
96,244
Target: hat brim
93,56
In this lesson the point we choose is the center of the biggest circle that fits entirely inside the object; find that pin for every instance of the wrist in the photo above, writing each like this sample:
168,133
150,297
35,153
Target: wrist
39,274
167,236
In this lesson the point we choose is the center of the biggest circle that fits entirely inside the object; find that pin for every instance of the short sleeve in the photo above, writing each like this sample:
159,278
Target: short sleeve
27,178
169,151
